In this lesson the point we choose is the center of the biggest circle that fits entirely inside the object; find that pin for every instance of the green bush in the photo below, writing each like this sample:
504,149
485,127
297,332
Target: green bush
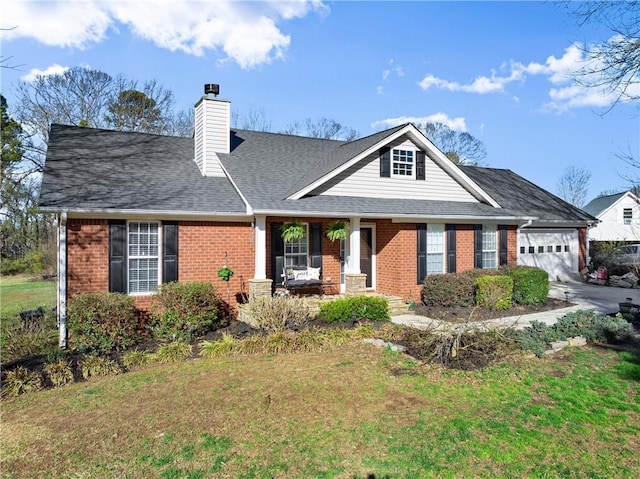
32,262
59,372
102,322
173,352
448,290
184,310
586,323
494,292
93,365
136,359
530,285
273,314
355,308
20,381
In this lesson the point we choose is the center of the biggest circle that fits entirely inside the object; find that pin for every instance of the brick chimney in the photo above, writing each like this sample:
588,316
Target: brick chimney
212,131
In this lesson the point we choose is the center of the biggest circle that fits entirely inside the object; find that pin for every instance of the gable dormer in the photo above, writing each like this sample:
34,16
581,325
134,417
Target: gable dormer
212,131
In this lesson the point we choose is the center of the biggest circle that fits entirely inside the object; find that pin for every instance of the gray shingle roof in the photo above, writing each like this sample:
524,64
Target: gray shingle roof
601,203
521,197
89,169
100,169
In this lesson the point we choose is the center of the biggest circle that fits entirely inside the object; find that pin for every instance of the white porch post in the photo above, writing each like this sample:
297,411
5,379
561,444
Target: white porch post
62,280
260,266
353,258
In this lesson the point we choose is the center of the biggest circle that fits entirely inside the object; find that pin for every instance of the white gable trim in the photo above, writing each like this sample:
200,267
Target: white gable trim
612,205
416,135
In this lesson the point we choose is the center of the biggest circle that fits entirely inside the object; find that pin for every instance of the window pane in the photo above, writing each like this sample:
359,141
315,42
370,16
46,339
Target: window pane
144,253
489,246
295,252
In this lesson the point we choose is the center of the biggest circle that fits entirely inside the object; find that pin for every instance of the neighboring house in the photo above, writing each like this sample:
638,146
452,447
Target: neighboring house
135,210
619,217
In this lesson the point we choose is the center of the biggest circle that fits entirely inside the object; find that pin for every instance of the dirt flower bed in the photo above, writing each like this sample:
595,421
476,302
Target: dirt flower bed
475,313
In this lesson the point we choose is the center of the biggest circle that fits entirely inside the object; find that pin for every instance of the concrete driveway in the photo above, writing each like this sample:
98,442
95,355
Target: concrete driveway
603,299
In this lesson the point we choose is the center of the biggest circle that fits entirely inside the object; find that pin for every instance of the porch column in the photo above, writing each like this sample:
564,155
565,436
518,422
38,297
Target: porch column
62,280
356,282
259,285
353,258
260,245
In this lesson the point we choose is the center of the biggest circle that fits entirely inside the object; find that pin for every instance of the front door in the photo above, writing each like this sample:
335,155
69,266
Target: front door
366,253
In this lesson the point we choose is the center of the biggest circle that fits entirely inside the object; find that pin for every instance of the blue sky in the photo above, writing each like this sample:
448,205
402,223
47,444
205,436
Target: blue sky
499,70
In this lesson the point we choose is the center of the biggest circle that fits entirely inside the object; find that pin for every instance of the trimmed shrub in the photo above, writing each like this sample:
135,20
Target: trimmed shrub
95,366
184,310
173,352
59,372
448,290
20,381
274,314
103,322
494,292
530,285
355,308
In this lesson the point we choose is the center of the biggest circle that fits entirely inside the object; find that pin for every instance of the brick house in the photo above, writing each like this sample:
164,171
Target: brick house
135,210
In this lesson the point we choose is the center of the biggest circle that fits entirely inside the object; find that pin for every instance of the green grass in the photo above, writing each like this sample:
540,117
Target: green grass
18,293
344,413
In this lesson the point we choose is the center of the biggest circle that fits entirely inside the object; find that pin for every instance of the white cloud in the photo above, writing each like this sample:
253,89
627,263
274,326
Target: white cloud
247,32
457,124
54,69
565,93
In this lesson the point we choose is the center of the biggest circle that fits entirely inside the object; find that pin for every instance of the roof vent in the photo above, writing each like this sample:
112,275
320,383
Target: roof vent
211,89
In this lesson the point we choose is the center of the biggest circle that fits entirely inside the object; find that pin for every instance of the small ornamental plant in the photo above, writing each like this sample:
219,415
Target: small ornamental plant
225,273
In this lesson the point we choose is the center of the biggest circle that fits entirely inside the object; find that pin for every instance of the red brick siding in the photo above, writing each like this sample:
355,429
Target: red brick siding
512,245
397,259
202,247
582,245
465,251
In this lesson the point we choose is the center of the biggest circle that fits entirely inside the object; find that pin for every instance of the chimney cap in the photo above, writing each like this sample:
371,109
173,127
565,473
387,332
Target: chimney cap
211,88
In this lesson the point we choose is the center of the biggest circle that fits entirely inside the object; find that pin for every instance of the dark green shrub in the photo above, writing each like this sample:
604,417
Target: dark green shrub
102,321
184,310
355,308
494,292
530,285
447,290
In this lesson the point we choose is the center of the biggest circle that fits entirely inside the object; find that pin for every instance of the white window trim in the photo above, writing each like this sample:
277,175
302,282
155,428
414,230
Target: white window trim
486,228
306,225
442,252
412,176
159,257
625,220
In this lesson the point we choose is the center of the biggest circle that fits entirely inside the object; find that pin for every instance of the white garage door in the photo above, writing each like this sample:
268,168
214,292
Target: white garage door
555,251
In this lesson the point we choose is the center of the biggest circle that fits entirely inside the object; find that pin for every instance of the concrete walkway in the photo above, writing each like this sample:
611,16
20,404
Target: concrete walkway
603,299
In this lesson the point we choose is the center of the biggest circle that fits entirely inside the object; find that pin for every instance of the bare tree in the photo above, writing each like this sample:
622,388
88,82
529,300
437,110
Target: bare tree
255,119
573,185
324,128
459,146
614,65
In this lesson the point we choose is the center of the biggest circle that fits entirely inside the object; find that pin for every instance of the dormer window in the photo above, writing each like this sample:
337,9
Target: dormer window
402,162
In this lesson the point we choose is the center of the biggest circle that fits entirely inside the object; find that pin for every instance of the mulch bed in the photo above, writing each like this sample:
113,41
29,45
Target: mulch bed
475,313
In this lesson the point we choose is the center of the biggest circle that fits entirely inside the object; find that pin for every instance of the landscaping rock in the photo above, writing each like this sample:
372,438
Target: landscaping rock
384,344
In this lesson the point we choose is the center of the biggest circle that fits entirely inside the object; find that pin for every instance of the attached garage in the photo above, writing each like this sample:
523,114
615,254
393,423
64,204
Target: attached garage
554,250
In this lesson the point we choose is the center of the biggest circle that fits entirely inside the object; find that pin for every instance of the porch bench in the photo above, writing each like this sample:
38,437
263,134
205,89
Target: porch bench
302,277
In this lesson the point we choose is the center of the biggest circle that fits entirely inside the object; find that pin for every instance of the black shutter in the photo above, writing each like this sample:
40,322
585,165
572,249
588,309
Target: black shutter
422,251
117,256
315,245
385,163
277,254
503,244
477,250
169,252
451,248
420,165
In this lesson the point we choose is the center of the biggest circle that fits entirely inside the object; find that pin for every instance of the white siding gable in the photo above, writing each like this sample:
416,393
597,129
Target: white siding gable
612,227
363,180
212,134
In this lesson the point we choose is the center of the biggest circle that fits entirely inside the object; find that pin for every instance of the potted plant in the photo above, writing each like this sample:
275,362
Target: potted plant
337,230
292,231
225,273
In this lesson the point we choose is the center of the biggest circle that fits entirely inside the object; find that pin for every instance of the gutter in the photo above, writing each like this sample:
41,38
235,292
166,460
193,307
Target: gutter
62,279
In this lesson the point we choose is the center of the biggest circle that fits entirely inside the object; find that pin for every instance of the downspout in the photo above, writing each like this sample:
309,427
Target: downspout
62,279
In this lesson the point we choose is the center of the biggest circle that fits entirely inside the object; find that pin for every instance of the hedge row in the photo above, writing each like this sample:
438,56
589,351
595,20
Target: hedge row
529,286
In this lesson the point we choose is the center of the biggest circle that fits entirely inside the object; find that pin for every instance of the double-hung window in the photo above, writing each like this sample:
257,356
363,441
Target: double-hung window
627,216
143,256
489,247
435,249
297,251
402,162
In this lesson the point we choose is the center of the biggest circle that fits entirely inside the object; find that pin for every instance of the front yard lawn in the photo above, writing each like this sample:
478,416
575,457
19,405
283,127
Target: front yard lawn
356,411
